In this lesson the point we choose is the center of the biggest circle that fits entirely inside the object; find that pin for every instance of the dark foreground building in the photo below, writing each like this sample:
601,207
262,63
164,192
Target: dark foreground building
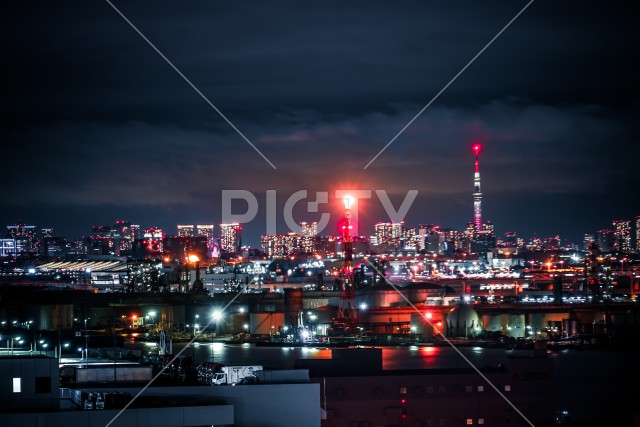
30,396
356,392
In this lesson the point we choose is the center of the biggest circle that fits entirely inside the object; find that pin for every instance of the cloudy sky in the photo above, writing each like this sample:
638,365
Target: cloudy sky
97,126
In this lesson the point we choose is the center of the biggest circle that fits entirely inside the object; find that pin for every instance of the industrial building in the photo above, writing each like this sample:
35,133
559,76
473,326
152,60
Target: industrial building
31,396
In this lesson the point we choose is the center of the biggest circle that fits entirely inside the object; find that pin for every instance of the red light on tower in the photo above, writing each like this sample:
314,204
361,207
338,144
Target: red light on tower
477,147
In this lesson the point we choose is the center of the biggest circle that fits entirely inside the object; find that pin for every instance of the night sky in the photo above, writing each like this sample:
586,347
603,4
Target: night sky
96,126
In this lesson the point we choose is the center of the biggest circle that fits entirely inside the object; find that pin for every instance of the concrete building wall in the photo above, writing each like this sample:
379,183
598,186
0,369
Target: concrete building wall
218,415
273,405
37,383
259,405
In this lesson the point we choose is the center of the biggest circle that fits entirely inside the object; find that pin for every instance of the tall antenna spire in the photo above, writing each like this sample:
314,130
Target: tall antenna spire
347,310
477,193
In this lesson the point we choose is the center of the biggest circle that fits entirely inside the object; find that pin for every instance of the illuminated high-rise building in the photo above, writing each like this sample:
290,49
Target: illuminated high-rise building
606,240
551,243
101,231
411,238
470,230
21,230
230,238
308,233
153,232
587,240
24,236
281,245
185,230
638,234
423,230
510,239
309,229
205,230
11,247
124,237
388,233
622,232
488,227
154,239
135,232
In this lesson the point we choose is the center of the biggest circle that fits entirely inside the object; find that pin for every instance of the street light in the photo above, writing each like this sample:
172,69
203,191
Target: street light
16,339
152,317
217,316
86,341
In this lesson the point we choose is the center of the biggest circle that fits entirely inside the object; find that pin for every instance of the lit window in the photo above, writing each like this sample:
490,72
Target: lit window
507,388
481,421
17,388
403,390
480,388
469,421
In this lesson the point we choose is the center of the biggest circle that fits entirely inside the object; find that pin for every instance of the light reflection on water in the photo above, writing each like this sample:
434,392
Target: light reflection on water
408,357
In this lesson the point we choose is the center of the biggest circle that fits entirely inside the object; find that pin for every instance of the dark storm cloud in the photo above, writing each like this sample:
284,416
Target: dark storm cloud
330,57
320,88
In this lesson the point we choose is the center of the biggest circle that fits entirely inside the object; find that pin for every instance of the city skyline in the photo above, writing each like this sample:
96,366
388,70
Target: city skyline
627,229
99,127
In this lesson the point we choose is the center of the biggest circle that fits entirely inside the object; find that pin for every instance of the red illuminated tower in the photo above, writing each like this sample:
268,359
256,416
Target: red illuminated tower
477,194
347,311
